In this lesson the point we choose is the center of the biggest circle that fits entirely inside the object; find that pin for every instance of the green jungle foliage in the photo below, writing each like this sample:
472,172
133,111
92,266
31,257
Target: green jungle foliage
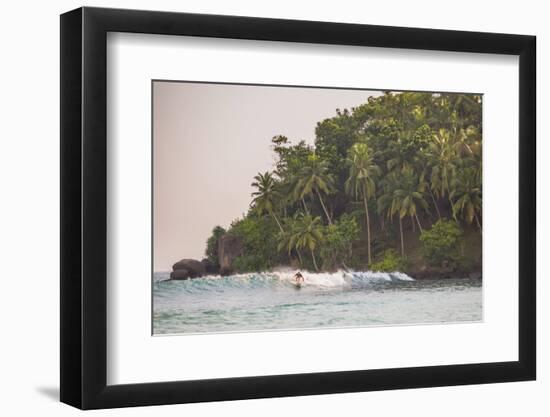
442,243
390,262
397,177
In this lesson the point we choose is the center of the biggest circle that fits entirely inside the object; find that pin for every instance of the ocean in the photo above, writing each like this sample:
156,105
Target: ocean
270,301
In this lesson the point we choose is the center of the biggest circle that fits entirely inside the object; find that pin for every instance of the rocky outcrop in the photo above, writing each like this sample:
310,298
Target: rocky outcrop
179,274
193,267
229,248
210,267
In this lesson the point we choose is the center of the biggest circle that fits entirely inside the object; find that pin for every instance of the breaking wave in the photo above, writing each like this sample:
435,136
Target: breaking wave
284,278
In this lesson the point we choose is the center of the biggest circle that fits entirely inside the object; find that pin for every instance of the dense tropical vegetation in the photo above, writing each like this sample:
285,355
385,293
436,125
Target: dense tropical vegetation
393,182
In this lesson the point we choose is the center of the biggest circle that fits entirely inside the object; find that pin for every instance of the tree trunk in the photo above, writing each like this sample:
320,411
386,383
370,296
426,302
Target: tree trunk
453,209
401,232
418,221
324,208
435,204
278,224
368,229
314,260
305,206
477,221
299,257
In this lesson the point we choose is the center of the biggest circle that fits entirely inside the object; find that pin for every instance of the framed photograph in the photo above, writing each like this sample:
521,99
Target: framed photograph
259,208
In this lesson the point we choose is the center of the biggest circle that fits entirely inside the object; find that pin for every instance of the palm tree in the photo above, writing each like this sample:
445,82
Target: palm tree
360,183
292,191
425,185
287,239
314,178
422,167
476,161
388,203
467,192
411,194
266,197
285,188
463,140
403,196
442,160
308,233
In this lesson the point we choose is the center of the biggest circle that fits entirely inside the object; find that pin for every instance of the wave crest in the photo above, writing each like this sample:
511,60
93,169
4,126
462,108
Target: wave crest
284,278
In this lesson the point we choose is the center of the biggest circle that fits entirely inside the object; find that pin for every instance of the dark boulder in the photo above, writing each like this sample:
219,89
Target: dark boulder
229,248
179,274
194,267
210,267
225,271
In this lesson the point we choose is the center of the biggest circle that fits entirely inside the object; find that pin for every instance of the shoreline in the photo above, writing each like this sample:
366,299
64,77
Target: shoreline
424,274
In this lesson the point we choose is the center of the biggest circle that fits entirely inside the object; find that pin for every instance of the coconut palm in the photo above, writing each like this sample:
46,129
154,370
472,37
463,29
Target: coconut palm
308,234
411,193
287,239
476,161
285,189
266,197
421,164
291,190
403,195
467,195
361,181
463,140
389,204
442,160
314,178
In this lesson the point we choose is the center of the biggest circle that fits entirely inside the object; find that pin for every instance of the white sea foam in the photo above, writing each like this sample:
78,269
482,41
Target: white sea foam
322,280
343,278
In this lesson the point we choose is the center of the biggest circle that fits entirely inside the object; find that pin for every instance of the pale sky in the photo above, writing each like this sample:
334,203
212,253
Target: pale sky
209,140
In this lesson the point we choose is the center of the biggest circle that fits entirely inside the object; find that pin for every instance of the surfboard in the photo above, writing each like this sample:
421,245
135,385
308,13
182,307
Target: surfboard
298,285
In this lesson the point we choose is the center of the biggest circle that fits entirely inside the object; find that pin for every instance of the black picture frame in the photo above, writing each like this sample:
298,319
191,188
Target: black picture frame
84,207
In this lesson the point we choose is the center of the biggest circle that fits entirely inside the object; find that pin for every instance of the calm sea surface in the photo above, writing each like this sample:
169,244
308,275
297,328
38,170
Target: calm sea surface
270,301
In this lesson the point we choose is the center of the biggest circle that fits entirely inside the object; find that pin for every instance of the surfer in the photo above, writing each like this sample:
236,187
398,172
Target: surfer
299,278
